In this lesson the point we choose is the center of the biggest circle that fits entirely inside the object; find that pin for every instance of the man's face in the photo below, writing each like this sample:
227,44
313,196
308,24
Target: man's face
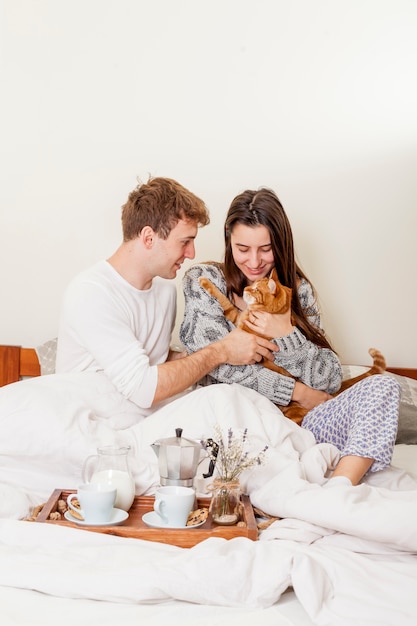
170,253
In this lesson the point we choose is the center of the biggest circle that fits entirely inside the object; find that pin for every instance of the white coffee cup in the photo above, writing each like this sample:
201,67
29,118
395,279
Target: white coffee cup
96,500
173,504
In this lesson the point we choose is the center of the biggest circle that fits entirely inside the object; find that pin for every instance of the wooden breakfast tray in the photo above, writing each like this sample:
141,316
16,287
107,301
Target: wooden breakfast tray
135,527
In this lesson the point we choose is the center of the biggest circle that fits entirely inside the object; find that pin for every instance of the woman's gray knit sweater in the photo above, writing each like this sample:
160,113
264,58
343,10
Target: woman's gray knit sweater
204,322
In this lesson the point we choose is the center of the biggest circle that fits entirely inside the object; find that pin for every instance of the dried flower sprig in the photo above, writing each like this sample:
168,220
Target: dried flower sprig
229,455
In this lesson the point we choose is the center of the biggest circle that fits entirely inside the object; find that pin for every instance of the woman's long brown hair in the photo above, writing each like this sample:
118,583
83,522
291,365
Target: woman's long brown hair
262,207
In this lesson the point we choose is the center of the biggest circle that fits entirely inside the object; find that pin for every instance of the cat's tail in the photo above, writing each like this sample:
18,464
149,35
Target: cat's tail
378,366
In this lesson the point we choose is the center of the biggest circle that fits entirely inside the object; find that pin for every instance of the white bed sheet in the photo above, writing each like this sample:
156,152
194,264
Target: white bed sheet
350,553
19,607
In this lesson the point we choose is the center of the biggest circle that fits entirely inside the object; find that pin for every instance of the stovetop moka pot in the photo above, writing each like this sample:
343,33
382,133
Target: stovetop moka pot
178,459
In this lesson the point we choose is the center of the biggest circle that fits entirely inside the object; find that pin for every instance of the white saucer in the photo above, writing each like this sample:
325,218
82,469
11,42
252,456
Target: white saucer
153,520
117,517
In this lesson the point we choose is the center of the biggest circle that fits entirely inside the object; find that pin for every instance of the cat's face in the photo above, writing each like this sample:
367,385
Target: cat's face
267,294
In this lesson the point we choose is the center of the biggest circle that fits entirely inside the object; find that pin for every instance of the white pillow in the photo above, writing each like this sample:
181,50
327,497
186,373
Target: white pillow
47,356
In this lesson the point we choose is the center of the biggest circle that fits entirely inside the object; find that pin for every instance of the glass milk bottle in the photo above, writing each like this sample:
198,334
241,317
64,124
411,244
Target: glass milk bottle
110,466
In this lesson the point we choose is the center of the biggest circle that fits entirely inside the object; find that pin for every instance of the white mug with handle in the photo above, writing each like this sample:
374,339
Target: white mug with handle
96,501
173,504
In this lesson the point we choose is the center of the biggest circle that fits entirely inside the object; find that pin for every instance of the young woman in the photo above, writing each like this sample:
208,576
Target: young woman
361,422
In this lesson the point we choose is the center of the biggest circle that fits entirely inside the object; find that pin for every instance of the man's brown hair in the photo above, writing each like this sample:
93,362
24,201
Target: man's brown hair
161,203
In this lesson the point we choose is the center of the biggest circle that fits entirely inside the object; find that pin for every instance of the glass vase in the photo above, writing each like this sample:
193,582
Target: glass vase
225,503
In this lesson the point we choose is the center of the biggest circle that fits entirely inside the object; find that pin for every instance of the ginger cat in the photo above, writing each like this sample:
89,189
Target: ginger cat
267,294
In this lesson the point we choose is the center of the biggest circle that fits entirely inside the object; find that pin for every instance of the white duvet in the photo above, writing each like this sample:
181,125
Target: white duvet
349,552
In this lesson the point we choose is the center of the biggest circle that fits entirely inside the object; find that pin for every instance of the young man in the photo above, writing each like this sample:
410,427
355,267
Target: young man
118,316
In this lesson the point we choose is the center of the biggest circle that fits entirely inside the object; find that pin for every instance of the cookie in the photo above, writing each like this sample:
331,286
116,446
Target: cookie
75,514
197,517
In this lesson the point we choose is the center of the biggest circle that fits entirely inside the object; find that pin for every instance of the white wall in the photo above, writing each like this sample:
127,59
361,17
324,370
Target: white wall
314,98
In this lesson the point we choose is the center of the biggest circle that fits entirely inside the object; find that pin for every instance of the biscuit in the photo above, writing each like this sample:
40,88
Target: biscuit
197,517
75,514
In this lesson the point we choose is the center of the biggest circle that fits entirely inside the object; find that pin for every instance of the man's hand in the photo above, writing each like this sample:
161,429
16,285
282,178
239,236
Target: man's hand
242,348
237,348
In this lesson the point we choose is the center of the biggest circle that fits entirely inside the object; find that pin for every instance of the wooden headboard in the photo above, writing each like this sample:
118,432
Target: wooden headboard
16,362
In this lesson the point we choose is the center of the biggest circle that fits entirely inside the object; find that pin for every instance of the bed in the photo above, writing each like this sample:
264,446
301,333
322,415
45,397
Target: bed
331,559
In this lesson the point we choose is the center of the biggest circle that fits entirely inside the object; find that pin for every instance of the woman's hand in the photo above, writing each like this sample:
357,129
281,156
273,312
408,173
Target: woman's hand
272,325
308,397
